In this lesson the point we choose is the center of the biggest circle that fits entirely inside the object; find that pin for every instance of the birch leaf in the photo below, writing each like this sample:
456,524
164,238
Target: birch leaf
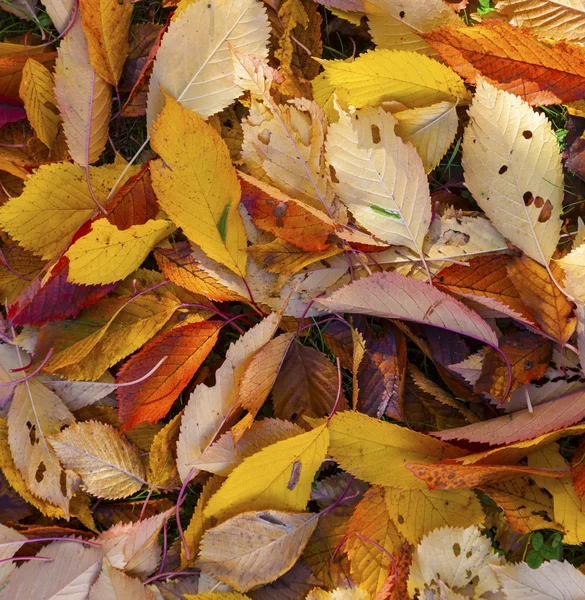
197,184
513,169
379,178
84,99
109,466
194,65
255,547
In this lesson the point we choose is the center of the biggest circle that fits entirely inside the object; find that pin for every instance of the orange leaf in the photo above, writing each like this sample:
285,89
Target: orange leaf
459,477
186,348
551,308
578,469
485,276
529,357
513,60
11,70
134,203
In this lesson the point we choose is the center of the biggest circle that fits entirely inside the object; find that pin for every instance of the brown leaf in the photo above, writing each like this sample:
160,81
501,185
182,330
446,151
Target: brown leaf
551,308
578,469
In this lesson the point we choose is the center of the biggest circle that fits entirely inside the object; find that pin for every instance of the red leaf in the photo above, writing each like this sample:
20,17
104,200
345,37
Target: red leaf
185,348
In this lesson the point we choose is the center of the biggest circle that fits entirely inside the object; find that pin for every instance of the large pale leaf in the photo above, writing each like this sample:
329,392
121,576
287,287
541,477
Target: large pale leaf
8,548
513,169
393,296
207,407
255,547
109,466
279,476
69,574
84,99
113,584
379,178
54,204
197,186
194,64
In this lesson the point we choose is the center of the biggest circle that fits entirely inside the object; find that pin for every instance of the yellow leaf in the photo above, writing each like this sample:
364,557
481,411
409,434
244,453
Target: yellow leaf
54,204
377,452
394,24
107,254
339,594
107,26
162,468
109,466
36,91
255,548
22,263
415,512
217,596
512,165
197,185
194,65
83,97
278,477
574,267
379,178
430,129
567,506
407,77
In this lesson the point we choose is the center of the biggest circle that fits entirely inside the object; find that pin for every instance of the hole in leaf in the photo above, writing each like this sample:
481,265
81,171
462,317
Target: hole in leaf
376,134
456,549
503,169
528,198
40,472
333,174
63,483
539,202
527,134
546,212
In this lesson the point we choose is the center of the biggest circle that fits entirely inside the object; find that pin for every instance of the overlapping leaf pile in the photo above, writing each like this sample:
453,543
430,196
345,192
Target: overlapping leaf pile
320,333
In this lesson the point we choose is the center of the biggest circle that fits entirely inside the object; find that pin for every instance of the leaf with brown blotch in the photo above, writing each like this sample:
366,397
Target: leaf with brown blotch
459,477
106,24
523,425
258,380
382,373
185,348
134,203
109,466
514,60
289,219
255,547
526,506
484,276
84,99
306,385
529,357
537,290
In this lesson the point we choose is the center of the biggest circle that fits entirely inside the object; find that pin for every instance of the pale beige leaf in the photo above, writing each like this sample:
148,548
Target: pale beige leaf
255,547
134,547
8,549
207,407
36,91
379,178
512,166
217,596
457,556
60,12
194,64
84,99
69,575
394,24
559,19
35,414
392,296
552,580
109,466
339,594
113,584
574,267
78,394
430,129
223,456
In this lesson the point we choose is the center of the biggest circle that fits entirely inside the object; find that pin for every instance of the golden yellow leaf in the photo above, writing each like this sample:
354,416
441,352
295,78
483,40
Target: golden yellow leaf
24,264
430,129
36,91
255,547
377,452
406,77
416,511
54,204
197,185
84,99
107,254
110,466
512,166
162,467
217,596
567,506
194,65
106,24
279,476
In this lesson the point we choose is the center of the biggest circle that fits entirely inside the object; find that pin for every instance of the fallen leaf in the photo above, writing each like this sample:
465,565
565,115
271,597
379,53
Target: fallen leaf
113,584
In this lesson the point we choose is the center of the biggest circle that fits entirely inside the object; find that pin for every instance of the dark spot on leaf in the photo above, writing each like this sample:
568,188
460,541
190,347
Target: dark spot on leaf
40,472
456,549
295,475
469,554
538,202
63,483
400,519
528,364
227,123
528,198
375,134
546,212
503,169
294,416
333,174
401,14
527,134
